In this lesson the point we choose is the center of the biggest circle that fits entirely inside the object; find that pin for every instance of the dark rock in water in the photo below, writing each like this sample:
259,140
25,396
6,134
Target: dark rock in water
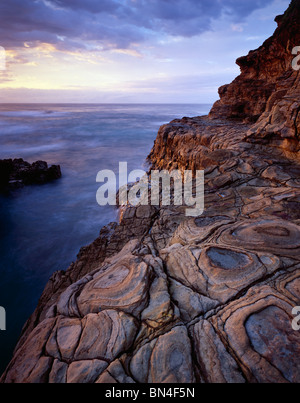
18,173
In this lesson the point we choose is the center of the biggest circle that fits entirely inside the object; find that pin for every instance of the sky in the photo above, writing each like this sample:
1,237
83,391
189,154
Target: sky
127,51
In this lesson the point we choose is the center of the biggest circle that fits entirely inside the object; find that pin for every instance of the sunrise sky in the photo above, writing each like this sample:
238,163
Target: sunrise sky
118,51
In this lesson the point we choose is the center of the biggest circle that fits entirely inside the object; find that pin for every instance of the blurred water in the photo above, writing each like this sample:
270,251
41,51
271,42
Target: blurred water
42,228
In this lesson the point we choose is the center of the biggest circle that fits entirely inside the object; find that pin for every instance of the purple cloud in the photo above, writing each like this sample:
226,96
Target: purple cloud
111,23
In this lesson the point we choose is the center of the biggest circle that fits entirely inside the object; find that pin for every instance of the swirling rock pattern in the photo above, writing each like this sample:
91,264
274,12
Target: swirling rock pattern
258,330
219,272
163,298
166,359
264,234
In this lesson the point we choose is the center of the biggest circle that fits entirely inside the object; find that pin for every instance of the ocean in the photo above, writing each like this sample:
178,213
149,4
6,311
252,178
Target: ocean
43,227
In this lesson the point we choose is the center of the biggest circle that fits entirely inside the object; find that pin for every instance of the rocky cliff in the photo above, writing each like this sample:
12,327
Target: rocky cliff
161,297
267,90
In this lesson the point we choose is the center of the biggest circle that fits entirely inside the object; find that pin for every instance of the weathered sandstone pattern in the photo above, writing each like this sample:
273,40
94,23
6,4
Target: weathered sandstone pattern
161,297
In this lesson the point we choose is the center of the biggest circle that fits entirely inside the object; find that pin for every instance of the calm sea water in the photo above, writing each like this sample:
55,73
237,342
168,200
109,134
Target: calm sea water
42,228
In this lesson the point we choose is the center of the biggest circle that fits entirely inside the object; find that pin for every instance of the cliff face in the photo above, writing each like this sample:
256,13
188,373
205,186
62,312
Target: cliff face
161,297
268,88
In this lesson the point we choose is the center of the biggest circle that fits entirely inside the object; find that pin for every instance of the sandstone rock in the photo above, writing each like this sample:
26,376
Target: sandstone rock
159,309
190,303
218,272
85,371
268,88
115,373
64,339
258,329
121,286
58,372
165,360
30,356
266,234
105,335
197,230
216,364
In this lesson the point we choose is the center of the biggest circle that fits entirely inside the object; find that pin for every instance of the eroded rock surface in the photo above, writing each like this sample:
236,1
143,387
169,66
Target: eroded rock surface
161,297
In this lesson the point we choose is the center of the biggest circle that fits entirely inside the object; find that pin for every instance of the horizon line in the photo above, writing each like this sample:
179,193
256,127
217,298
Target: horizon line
106,103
